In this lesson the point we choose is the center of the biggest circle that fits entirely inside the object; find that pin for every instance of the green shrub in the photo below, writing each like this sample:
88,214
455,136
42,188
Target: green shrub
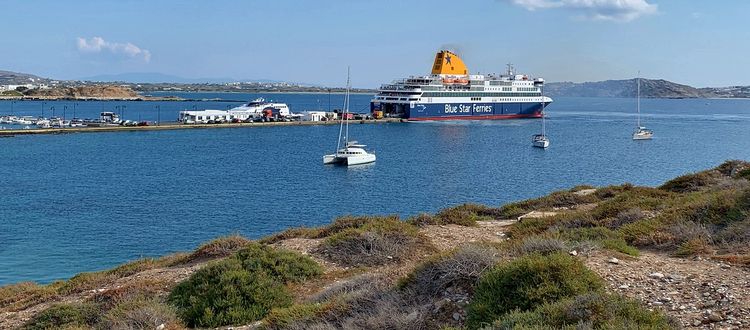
594,310
463,215
242,288
284,265
526,283
64,316
744,174
224,293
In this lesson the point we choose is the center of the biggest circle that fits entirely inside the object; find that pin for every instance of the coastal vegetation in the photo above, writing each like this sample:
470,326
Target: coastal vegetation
427,271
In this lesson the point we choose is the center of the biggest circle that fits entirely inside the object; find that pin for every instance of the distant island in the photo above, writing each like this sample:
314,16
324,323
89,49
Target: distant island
22,85
651,88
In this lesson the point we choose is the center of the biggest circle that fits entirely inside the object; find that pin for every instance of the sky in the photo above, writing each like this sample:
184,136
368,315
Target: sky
700,43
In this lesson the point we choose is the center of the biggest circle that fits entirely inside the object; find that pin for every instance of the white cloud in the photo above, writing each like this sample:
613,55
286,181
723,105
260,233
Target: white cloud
98,45
604,10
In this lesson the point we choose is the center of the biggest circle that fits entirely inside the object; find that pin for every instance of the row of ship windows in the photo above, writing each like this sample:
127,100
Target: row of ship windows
475,94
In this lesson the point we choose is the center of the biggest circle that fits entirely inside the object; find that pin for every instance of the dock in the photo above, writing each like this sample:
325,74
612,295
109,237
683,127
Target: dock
179,126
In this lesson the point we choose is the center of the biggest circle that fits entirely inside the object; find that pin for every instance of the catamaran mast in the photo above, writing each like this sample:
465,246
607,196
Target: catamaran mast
346,108
541,88
638,98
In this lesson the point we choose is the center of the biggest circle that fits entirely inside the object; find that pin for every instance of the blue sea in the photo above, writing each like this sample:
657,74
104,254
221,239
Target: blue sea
83,202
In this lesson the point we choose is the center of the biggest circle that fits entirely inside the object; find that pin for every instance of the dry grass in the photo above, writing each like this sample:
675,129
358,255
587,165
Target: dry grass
385,240
459,268
20,296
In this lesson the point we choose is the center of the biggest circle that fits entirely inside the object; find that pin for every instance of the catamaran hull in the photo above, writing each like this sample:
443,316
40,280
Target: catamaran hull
348,161
461,111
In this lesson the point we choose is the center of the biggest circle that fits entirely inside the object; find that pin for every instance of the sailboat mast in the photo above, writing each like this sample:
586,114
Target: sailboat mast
346,108
638,98
541,88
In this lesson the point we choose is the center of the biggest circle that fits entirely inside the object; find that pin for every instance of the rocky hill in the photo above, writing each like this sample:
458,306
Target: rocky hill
83,92
669,257
627,88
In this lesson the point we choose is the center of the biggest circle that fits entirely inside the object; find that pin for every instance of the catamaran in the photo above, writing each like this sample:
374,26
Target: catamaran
352,153
640,133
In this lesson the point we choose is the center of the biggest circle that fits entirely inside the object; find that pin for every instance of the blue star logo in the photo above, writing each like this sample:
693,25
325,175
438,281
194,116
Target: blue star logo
447,59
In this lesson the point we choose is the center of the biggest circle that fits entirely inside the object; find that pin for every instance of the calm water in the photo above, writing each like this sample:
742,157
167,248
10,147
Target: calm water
84,202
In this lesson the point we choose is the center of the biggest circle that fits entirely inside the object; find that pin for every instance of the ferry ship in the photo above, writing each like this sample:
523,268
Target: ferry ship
452,93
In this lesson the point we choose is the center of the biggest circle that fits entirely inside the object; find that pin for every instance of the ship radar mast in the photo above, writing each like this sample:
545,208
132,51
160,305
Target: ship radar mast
510,69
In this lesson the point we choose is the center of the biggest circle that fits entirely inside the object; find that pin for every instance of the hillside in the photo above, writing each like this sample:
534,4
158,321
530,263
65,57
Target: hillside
670,257
15,78
627,88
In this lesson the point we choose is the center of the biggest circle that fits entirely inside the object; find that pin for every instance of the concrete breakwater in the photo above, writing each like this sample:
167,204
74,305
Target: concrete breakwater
176,126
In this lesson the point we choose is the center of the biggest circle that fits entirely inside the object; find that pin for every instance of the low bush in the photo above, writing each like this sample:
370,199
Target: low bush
690,182
65,316
557,199
373,308
589,311
95,280
540,245
242,288
458,268
218,248
132,290
467,214
224,293
643,198
625,217
141,313
373,243
604,237
339,224
463,215
352,287
526,283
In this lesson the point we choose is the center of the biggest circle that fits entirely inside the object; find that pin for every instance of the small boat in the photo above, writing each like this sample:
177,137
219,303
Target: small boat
541,140
640,133
352,153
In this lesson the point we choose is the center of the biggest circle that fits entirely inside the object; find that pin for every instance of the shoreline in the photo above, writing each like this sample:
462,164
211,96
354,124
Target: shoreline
178,126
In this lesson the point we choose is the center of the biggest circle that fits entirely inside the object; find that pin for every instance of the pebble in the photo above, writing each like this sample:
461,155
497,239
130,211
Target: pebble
624,286
456,316
713,317
614,261
656,275
574,253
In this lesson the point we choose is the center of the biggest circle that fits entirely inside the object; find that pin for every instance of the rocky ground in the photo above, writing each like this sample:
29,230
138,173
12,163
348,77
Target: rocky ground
699,293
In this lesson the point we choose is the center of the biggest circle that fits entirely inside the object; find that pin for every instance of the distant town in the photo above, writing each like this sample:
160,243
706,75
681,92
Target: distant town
27,86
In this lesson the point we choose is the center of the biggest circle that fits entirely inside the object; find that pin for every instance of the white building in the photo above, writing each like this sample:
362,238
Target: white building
315,116
203,116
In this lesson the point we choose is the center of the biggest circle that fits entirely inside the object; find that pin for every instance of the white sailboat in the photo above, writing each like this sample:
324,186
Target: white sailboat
541,140
352,153
640,133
